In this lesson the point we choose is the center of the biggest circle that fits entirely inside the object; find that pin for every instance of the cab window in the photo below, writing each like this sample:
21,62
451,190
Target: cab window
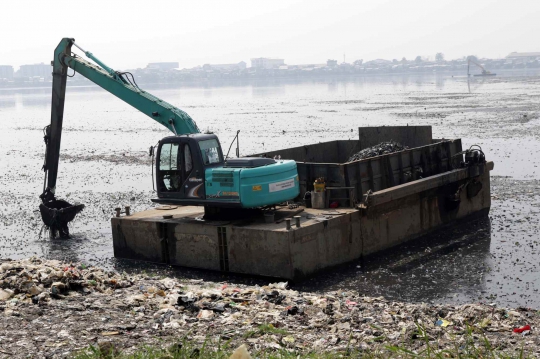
168,158
210,151
170,168
188,162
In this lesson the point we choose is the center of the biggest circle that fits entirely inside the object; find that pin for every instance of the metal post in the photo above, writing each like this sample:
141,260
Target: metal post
297,219
128,209
118,209
288,222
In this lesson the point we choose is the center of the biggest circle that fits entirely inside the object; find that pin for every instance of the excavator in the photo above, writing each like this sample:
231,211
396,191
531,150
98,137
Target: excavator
190,167
484,71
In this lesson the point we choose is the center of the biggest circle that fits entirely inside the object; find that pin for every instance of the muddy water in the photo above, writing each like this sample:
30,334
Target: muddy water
105,164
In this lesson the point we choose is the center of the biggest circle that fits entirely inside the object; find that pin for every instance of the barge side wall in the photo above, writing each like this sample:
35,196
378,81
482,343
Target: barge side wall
315,246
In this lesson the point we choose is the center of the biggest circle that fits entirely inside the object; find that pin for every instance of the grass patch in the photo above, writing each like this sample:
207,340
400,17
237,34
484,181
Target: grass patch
472,345
265,329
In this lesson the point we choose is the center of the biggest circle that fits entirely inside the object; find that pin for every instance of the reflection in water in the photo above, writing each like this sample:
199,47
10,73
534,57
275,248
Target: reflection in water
8,101
332,86
474,84
36,101
260,90
439,81
63,250
40,97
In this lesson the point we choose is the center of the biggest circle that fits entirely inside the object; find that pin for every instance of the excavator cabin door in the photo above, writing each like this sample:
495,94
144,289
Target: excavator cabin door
178,174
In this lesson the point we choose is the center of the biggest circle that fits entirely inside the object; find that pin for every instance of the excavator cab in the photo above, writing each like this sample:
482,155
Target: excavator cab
181,165
191,170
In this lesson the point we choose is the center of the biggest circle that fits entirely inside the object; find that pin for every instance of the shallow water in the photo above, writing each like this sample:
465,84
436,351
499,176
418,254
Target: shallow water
105,164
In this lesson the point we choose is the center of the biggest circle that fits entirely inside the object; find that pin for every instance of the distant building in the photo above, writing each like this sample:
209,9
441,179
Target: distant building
36,70
331,63
307,66
378,62
6,72
266,63
226,67
162,66
525,56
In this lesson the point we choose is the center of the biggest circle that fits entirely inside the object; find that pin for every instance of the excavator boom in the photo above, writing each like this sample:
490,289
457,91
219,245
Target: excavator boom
190,169
118,84
484,71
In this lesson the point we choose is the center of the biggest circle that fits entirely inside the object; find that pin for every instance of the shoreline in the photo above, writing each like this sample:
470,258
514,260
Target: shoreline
53,310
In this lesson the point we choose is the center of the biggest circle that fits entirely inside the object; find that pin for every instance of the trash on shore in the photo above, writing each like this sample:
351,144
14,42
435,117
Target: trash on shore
52,308
382,148
240,353
525,328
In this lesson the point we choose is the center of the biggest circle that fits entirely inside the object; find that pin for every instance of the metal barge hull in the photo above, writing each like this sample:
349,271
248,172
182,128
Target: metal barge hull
400,207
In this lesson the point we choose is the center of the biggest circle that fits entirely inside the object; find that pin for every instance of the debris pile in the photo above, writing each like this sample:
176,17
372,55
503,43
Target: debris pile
51,309
382,148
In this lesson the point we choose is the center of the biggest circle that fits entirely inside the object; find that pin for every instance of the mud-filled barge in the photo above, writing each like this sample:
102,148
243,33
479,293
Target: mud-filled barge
381,201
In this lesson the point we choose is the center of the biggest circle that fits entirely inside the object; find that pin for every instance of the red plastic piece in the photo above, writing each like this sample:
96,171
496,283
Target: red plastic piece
522,329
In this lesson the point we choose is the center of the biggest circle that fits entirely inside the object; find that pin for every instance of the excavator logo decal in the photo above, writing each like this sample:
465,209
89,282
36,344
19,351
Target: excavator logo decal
224,194
194,192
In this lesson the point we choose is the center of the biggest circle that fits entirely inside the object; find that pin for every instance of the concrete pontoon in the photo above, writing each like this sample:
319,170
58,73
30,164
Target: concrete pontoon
397,197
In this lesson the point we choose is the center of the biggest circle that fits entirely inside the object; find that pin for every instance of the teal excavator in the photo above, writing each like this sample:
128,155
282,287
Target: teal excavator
190,168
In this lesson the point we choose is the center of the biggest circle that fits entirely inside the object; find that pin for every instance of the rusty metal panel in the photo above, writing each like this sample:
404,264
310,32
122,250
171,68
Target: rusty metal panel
195,246
382,172
137,240
325,152
259,252
411,136
395,168
375,174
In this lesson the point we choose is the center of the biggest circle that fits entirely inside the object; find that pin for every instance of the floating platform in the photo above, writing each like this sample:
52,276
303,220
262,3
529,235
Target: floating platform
396,198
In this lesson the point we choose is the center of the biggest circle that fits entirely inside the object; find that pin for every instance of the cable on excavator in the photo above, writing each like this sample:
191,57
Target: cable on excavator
124,75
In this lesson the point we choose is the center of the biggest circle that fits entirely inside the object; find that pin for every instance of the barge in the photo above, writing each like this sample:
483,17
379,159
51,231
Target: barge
382,202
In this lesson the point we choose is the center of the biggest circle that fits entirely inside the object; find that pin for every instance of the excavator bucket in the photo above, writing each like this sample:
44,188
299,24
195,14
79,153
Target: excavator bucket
56,214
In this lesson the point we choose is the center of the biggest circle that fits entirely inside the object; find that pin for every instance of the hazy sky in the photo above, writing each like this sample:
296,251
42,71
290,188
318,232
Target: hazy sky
129,34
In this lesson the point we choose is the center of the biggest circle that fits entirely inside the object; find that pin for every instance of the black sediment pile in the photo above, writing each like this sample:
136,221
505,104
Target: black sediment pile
382,148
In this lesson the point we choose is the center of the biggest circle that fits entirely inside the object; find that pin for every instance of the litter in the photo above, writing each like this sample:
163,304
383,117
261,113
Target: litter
442,323
136,309
240,353
522,329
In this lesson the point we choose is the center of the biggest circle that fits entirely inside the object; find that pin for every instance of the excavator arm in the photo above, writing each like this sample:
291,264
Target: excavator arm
471,61
118,84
